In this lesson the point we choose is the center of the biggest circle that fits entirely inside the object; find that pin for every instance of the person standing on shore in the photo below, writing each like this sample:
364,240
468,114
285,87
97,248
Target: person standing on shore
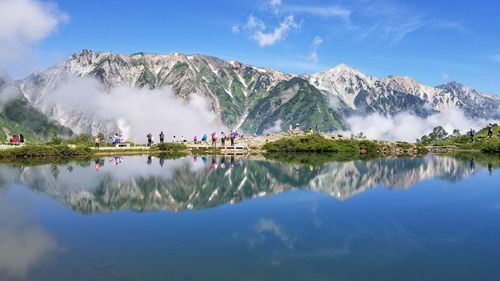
490,130
223,138
472,135
162,137
150,139
97,142
214,139
231,137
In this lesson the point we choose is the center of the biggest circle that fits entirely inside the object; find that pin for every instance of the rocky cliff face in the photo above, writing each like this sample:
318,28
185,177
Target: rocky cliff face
253,98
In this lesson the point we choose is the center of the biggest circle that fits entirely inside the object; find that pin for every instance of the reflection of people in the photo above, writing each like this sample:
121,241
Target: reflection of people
150,159
204,159
214,164
97,164
231,166
490,167
223,162
162,161
472,164
116,159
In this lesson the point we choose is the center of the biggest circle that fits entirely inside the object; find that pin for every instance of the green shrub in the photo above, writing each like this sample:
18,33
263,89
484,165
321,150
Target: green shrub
492,146
320,144
403,144
29,151
171,147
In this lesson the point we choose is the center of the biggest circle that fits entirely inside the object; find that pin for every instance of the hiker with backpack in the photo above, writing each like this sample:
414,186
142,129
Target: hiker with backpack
472,135
233,136
223,138
490,130
204,139
214,139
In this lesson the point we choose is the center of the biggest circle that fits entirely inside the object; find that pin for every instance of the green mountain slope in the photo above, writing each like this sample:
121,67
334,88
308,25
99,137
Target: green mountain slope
18,117
290,102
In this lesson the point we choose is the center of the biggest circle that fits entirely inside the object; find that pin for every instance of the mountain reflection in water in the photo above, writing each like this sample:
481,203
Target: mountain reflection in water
145,183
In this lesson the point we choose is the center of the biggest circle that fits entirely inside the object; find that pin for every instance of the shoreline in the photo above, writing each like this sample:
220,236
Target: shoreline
291,142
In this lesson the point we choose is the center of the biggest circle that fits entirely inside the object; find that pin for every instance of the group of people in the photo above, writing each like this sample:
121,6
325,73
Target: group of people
223,137
222,164
15,139
151,139
117,140
233,135
489,128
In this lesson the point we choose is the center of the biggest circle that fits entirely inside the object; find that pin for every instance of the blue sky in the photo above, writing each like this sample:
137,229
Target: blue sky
432,41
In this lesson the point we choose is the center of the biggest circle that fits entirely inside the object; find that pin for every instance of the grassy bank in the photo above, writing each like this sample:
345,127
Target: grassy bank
317,144
440,138
37,151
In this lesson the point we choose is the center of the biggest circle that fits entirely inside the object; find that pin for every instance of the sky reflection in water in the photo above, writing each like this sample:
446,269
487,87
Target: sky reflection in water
140,218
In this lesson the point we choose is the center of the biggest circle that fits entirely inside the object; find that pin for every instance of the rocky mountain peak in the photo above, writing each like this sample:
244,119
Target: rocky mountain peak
252,98
454,86
406,84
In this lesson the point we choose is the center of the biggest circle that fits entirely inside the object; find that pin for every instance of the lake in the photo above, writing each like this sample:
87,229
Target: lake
230,218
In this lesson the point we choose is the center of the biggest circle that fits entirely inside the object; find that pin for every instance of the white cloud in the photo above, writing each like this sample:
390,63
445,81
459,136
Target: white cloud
275,5
134,112
317,41
278,34
23,24
322,11
275,128
265,225
254,23
496,57
235,29
446,76
408,127
313,56
391,22
24,244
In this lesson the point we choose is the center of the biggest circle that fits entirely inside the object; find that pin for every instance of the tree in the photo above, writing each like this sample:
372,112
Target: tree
439,133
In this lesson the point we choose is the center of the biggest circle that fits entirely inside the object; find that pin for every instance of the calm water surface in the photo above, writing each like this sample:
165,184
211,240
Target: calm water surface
205,218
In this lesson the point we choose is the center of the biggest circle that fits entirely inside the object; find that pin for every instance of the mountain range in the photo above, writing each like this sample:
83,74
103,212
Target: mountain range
252,99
